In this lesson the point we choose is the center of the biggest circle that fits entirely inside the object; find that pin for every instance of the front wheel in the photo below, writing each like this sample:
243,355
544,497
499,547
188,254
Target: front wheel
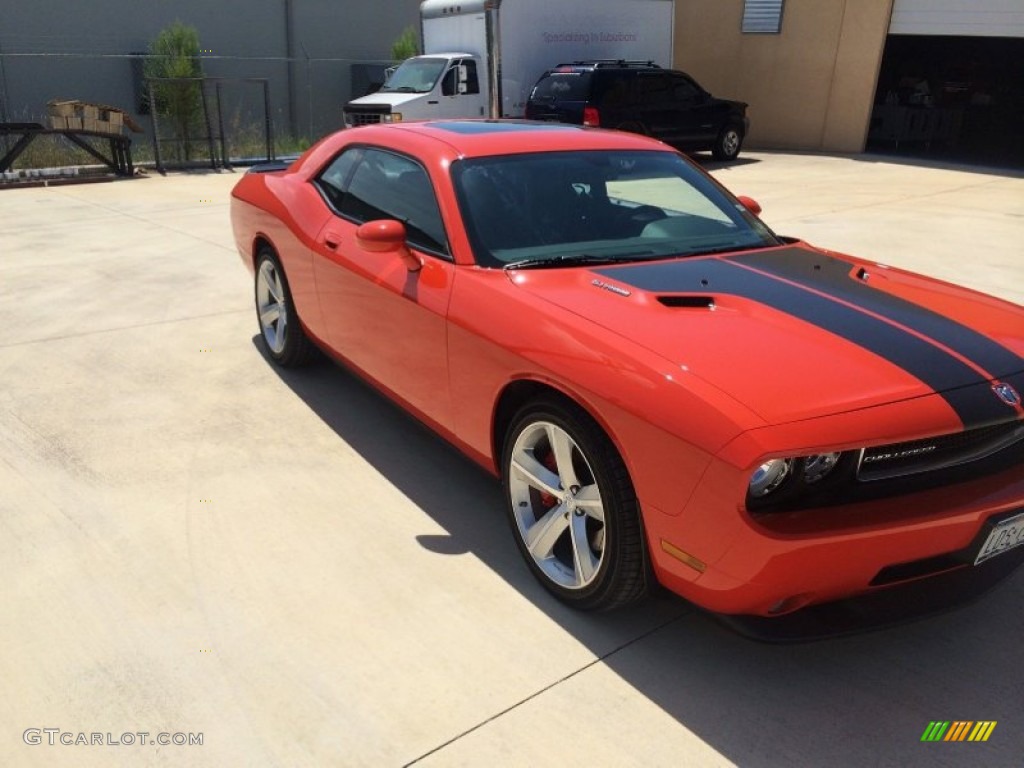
727,145
572,507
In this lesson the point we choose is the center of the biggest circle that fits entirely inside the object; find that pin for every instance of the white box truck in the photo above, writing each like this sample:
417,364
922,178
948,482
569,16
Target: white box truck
482,57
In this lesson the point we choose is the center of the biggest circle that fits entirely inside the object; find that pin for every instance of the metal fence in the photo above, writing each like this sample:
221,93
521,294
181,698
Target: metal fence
196,133
301,98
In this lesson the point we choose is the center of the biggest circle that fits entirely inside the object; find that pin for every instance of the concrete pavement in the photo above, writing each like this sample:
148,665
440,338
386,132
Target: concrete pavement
194,542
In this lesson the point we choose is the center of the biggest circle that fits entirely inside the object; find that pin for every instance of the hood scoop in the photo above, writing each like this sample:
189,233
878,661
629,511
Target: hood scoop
688,302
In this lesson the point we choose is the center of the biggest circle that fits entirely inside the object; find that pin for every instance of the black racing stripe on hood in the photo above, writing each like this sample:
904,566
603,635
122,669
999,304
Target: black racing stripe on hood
832,276
941,371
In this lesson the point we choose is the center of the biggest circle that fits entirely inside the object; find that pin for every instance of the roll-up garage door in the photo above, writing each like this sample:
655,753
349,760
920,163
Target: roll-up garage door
951,82
971,18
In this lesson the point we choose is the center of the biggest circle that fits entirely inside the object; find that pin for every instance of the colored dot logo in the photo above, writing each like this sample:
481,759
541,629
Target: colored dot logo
958,730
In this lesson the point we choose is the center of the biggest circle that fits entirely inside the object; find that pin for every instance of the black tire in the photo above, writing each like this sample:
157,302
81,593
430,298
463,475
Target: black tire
556,525
283,338
728,144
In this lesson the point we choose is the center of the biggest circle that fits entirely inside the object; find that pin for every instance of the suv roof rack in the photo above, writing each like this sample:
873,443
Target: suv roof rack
609,63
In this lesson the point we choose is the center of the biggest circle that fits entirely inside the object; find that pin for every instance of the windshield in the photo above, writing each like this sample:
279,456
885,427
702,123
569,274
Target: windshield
557,207
415,76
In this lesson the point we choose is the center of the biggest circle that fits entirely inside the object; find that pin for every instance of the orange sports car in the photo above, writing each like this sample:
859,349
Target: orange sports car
669,391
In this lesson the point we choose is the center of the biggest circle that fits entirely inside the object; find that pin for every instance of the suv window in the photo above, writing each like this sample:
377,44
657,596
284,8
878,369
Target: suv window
654,87
388,186
684,89
614,89
563,86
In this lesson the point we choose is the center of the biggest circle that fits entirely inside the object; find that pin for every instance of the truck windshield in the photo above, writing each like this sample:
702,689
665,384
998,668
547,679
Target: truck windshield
415,76
576,207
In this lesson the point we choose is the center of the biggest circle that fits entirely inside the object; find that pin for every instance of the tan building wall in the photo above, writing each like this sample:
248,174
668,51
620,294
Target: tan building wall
809,87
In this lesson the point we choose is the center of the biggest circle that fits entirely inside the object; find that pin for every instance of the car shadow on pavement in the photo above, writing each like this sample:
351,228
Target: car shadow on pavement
708,162
861,699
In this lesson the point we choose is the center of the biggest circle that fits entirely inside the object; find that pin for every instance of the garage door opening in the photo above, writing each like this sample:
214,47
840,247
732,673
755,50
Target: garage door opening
951,98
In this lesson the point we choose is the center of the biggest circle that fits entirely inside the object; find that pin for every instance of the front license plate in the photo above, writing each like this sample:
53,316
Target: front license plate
1003,537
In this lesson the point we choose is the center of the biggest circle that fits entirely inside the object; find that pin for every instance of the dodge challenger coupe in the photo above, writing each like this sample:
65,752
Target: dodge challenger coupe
670,392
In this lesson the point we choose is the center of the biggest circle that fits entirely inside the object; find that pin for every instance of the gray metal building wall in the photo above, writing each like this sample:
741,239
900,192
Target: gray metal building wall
308,49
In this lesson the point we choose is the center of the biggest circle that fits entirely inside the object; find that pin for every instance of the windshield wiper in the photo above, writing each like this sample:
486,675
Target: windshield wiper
572,260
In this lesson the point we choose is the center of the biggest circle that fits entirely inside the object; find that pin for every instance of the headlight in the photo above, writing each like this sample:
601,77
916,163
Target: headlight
393,117
769,477
817,467
784,481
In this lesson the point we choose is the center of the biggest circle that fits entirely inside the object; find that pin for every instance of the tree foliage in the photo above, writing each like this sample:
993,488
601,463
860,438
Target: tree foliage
406,45
174,53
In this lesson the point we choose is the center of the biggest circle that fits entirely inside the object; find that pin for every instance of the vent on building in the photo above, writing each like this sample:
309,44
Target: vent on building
762,17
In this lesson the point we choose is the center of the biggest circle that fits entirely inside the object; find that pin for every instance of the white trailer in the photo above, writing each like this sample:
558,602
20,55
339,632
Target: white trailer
482,57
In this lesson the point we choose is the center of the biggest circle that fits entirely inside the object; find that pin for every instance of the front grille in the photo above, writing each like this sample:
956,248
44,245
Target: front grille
885,462
362,118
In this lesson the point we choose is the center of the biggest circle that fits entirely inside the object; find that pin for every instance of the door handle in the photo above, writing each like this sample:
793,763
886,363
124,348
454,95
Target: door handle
332,240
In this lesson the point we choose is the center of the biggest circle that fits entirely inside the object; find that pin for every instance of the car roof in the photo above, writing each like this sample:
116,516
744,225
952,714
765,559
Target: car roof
449,140
477,138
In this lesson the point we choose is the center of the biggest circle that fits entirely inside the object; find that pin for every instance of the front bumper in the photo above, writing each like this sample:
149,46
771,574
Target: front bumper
784,562
880,608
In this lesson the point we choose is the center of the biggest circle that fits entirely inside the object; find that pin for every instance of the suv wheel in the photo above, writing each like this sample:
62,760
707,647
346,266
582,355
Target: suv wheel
727,145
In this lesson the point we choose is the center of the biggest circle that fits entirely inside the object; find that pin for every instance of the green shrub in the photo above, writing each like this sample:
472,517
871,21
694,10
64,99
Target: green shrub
175,54
406,46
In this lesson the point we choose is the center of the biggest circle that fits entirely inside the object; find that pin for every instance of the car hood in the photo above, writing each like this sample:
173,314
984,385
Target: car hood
387,99
796,333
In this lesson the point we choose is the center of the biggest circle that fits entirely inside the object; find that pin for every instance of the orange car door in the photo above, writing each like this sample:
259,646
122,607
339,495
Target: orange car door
384,318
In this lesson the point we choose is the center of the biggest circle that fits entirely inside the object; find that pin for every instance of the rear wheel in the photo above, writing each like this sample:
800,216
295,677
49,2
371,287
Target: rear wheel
572,507
727,145
283,337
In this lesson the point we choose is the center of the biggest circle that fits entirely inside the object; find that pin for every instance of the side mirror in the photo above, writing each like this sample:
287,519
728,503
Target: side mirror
750,204
387,236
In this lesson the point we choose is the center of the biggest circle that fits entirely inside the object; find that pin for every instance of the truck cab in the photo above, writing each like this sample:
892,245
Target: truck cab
434,85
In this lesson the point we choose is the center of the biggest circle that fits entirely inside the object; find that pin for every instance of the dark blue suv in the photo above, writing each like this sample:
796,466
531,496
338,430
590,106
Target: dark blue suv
643,98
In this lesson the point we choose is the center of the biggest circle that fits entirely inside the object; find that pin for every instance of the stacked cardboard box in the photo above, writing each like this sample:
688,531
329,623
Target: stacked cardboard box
83,116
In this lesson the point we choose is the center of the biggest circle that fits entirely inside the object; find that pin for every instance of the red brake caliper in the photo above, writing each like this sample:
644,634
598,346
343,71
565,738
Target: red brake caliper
546,498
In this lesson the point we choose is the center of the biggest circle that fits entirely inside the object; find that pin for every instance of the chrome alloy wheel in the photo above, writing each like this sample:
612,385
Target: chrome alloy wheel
271,306
557,505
